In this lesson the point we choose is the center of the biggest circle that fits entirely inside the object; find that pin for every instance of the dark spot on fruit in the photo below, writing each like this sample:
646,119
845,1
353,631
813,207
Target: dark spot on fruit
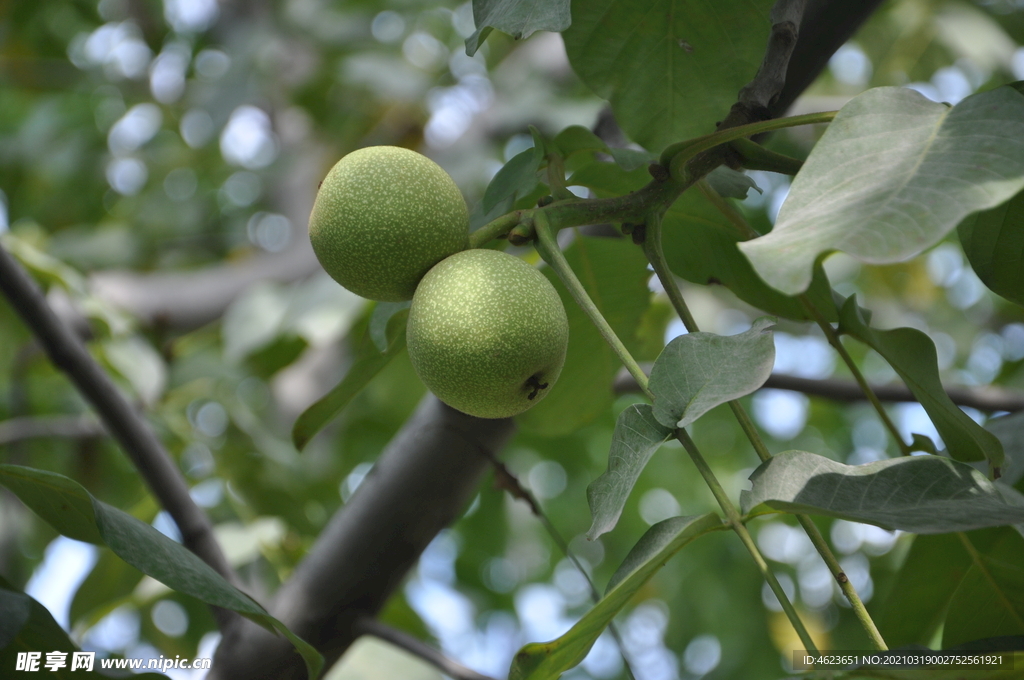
537,386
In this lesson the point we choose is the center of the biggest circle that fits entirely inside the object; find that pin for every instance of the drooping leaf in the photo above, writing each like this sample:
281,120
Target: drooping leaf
700,246
366,364
912,355
698,371
637,436
891,176
548,660
993,241
516,178
731,183
669,68
614,273
518,18
27,626
921,494
142,546
990,599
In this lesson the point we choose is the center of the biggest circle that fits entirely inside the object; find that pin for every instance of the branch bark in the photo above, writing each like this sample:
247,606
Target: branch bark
422,481
137,440
371,626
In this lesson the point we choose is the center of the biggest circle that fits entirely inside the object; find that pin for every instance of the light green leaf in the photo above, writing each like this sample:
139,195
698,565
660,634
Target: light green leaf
993,241
140,364
700,246
631,159
912,355
380,320
731,183
548,660
990,600
637,436
516,178
891,176
921,494
578,138
143,547
367,363
518,18
254,320
669,68
614,272
698,371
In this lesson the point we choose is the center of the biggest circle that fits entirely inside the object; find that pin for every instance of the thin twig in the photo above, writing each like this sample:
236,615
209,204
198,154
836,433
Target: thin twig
136,438
370,626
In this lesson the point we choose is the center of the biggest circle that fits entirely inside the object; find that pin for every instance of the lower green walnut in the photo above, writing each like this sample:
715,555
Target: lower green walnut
487,333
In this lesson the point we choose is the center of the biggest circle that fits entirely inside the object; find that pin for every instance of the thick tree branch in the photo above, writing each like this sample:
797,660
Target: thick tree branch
422,481
982,398
370,626
137,440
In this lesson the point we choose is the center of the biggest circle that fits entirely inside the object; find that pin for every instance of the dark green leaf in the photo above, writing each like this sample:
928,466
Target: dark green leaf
516,178
518,18
731,183
892,175
614,273
912,355
990,599
637,436
548,660
922,494
993,241
62,503
1010,432
669,68
700,246
578,138
367,364
699,371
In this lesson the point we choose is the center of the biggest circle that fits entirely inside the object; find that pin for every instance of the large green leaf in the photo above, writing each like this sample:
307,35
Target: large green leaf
548,660
518,18
700,246
516,179
699,371
1010,432
142,546
990,599
921,494
26,626
993,241
614,273
637,435
366,364
891,176
912,354
670,68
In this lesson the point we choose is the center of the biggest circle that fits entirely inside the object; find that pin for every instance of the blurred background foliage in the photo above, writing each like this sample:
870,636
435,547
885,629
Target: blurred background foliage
140,137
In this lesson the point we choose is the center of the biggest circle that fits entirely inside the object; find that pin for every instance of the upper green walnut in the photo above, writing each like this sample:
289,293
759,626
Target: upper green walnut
487,333
383,217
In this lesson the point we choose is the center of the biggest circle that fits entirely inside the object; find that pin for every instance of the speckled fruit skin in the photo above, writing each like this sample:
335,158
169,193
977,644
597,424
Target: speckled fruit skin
485,331
383,217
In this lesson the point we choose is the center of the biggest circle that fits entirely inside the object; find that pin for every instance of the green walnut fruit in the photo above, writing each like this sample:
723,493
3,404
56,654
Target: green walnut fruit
383,217
487,333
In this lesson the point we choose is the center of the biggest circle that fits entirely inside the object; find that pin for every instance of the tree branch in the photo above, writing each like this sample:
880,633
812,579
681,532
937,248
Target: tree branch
137,440
421,482
32,427
370,626
982,398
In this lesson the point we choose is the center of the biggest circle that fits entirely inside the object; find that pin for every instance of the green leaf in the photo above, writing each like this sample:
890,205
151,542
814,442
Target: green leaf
578,138
548,660
1010,432
516,178
990,599
699,371
993,241
614,272
637,436
669,68
700,246
380,320
518,18
912,355
731,183
26,626
921,494
61,502
632,159
891,176
368,362
145,548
